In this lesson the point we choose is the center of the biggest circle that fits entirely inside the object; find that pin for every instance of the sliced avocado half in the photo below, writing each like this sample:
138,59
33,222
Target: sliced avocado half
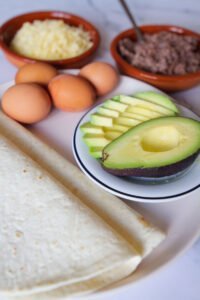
155,148
93,140
112,135
96,152
142,103
115,105
99,120
127,121
157,98
108,112
132,115
90,128
144,112
116,127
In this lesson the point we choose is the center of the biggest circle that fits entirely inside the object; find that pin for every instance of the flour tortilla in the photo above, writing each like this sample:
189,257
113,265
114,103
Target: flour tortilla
49,237
142,235
82,288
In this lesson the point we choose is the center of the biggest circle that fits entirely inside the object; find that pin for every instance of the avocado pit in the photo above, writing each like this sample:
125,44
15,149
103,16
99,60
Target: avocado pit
160,139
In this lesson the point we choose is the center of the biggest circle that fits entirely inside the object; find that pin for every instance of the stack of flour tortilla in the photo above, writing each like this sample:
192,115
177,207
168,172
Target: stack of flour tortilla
60,235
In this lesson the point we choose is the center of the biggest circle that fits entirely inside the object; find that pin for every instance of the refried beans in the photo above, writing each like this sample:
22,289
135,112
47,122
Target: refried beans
165,53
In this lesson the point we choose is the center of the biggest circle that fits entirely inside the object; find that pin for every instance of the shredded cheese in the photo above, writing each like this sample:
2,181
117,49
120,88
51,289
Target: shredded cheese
50,40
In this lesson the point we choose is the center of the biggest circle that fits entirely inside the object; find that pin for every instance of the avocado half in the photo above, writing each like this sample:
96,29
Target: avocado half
155,148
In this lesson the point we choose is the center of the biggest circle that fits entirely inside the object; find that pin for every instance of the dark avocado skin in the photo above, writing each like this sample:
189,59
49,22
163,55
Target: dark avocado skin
155,172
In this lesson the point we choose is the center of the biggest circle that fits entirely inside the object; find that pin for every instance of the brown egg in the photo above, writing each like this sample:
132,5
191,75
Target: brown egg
26,102
71,93
102,75
40,73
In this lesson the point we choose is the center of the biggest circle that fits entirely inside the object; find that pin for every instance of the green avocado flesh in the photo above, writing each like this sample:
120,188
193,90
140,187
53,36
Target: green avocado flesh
112,104
98,140
153,144
90,128
108,112
129,114
116,116
151,106
96,152
157,98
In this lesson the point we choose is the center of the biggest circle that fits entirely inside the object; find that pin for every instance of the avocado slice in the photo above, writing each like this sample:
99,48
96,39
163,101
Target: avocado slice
133,101
108,112
96,152
90,128
92,140
155,148
117,127
115,105
149,114
157,98
127,121
139,117
144,112
112,134
100,120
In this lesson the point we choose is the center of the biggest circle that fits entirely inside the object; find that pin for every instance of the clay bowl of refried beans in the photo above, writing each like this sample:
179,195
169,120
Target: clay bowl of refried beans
168,58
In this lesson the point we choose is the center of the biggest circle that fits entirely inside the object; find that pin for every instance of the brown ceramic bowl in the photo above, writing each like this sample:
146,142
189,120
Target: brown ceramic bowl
9,28
163,82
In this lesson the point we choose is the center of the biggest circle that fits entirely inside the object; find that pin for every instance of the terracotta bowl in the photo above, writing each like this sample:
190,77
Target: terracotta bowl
9,28
163,82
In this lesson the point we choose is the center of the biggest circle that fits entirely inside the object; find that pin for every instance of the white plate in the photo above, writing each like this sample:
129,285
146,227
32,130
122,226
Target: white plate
179,219
127,188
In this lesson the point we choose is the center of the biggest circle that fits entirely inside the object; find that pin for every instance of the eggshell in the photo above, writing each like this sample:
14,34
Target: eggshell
26,102
40,73
71,93
102,75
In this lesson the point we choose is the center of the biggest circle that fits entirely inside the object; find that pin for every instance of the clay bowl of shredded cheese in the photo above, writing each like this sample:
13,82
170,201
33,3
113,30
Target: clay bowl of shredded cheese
58,38
168,58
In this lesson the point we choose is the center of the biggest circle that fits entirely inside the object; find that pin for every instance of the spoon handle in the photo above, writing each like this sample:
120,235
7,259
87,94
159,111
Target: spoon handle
129,14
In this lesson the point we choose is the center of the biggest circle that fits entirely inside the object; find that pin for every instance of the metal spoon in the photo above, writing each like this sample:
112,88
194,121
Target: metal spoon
131,18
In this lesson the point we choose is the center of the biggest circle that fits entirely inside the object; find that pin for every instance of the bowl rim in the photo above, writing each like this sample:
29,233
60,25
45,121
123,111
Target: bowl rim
148,75
58,15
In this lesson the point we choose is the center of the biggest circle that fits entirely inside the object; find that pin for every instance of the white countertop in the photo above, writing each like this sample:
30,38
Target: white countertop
181,278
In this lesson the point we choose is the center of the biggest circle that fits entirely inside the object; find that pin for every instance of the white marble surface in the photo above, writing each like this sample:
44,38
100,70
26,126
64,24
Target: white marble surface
181,278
